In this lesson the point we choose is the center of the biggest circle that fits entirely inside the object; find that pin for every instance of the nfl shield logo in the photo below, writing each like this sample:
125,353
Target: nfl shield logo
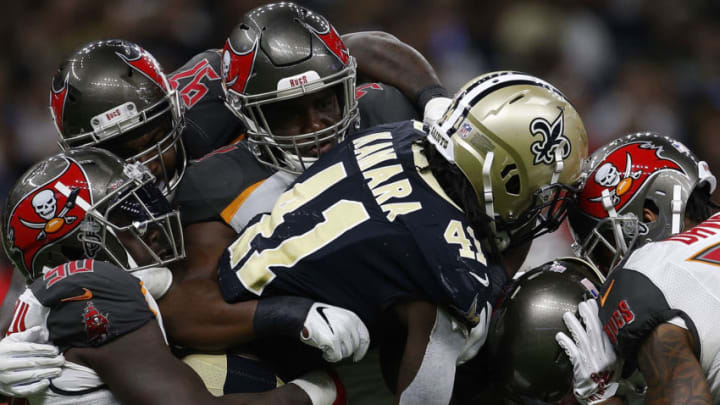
464,130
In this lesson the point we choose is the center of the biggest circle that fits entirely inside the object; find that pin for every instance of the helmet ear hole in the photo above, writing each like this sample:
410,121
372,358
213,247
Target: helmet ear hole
650,204
512,186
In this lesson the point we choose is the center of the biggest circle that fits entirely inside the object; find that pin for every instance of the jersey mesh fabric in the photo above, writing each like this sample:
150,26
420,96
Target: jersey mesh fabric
688,286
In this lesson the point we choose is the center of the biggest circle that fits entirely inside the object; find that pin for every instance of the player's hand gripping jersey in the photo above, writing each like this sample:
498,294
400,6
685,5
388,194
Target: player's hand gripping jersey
85,303
673,281
363,228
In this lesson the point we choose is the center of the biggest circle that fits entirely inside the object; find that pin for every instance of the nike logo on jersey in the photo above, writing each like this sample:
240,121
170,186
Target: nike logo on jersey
84,297
607,292
321,311
484,281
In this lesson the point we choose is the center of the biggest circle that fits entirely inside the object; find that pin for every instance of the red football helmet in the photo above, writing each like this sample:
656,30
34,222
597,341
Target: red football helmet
88,204
622,178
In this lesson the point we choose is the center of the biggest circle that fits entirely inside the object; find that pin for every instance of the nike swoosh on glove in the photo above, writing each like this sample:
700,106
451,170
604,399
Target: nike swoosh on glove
26,366
337,332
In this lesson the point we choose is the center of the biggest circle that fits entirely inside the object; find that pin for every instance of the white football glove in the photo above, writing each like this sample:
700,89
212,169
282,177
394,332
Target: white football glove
595,366
434,110
26,367
337,332
477,336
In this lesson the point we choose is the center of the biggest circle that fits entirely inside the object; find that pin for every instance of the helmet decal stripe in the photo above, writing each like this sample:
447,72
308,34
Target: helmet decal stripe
148,66
473,94
237,66
333,42
57,103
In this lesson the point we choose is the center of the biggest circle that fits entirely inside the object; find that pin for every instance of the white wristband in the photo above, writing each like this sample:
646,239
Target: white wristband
319,386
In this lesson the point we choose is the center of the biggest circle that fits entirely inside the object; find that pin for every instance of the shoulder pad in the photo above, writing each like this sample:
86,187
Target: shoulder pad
91,303
213,182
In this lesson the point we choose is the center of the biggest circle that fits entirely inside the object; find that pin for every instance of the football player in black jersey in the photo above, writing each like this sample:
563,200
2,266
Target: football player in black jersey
318,105
293,105
82,101
117,123
391,223
639,190
76,225
146,114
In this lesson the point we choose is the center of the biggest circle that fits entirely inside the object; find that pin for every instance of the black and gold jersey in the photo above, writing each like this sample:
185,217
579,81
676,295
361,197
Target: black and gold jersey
364,228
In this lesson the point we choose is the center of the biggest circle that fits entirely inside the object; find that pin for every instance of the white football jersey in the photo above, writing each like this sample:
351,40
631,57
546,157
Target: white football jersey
677,281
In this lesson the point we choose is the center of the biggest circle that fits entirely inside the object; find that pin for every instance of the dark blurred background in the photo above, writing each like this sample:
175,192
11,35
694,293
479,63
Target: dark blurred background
626,64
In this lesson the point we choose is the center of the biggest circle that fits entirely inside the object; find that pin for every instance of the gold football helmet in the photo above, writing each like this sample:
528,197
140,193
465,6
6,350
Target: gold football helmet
521,144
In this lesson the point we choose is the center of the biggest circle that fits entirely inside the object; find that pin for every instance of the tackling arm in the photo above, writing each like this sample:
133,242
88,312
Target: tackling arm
673,374
139,369
384,58
427,368
205,243
196,315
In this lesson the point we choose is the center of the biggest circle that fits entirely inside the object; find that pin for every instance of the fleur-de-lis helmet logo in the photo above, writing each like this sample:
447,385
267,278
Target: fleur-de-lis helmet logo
552,137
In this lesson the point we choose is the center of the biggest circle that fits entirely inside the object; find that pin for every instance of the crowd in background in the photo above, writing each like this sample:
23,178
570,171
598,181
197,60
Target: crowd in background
626,65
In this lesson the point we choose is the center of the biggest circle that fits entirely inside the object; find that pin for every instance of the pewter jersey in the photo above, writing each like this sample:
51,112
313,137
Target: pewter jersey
85,303
676,281
230,184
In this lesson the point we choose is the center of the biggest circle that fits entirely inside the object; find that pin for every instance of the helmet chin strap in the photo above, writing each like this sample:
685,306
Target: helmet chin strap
676,206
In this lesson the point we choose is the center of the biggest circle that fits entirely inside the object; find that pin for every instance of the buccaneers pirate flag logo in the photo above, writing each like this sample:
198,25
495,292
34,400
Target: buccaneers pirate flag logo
622,173
49,213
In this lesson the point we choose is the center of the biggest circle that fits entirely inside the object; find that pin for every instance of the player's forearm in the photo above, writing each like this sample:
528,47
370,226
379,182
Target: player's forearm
427,367
384,58
672,372
195,315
